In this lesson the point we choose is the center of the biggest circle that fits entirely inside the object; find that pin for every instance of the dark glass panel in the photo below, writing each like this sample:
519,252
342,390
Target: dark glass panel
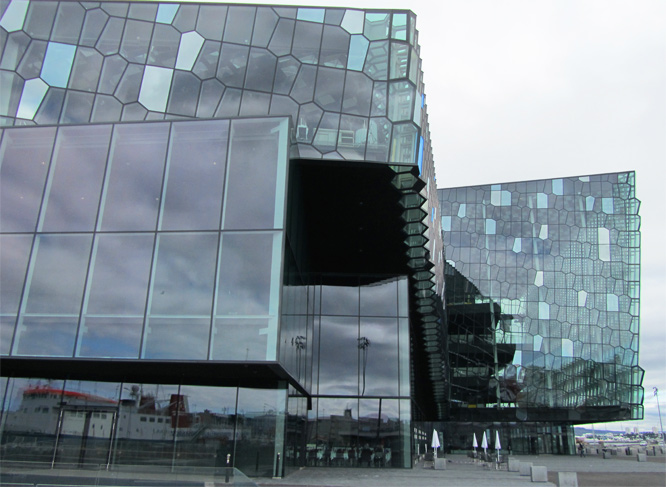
304,85
14,252
31,64
334,16
186,18
193,194
337,434
328,92
339,356
247,282
255,104
260,70
77,107
327,132
239,25
211,21
134,178
260,429
264,25
241,339
165,338
109,42
86,69
49,111
287,69
136,39
39,20
233,62
334,47
379,359
255,170
206,64
307,39
184,94
25,156
106,109
11,86
280,44
164,46
112,70
92,27
184,274
142,11
118,279
15,46
109,337
211,93
72,197
118,9
339,300
68,22
358,94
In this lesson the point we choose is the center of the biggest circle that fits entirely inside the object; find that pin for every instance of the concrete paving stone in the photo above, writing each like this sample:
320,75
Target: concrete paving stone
567,479
539,473
525,468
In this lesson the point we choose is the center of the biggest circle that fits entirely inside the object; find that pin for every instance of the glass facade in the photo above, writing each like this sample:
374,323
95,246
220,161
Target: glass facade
542,298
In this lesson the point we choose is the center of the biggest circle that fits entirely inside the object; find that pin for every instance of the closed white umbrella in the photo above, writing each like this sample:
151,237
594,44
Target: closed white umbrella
435,441
498,445
484,445
474,442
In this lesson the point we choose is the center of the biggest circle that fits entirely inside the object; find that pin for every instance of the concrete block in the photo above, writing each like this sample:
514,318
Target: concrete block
649,452
539,474
641,457
631,451
567,479
615,452
514,465
440,463
525,468
607,454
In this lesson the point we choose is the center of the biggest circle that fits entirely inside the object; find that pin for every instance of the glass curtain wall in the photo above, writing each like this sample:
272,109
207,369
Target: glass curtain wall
161,425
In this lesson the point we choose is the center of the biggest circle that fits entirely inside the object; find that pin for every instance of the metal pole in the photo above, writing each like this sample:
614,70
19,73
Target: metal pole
656,394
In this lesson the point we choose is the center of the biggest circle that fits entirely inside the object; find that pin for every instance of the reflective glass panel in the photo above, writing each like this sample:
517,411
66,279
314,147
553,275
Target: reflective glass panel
210,23
32,96
190,46
241,339
260,70
25,156
14,252
110,337
164,46
164,338
193,186
86,70
136,38
239,25
133,183
77,171
58,64
378,360
13,18
339,355
307,38
68,22
155,88
358,48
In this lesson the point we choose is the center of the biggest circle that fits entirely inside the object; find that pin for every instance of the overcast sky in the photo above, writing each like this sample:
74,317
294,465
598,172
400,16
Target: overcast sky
526,89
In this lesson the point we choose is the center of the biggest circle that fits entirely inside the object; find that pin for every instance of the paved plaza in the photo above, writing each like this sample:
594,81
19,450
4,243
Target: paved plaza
592,471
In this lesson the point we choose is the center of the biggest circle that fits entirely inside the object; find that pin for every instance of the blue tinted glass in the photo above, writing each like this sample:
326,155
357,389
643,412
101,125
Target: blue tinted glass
311,14
14,16
166,13
58,64
190,46
32,96
358,48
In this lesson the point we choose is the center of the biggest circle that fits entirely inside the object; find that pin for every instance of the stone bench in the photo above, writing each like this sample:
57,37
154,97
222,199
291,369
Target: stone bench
539,473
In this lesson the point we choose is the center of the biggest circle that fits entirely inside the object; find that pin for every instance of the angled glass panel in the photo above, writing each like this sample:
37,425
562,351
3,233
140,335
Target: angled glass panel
112,70
280,43
13,18
155,88
264,25
33,60
334,47
287,69
164,46
255,104
229,104
68,22
379,139
193,187
358,48
39,22
206,65
51,108
14,253
307,39
232,65
379,100
86,70
328,91
15,47
136,39
358,94
77,107
143,11
260,70
133,184
211,93
32,96
311,14
403,144
58,64
399,60
303,88
353,136
377,25
326,138
210,23
254,193
11,84
25,156
376,64
238,28
186,18
109,42
399,27
166,12
184,94
93,24
190,46
353,20
74,186
401,101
